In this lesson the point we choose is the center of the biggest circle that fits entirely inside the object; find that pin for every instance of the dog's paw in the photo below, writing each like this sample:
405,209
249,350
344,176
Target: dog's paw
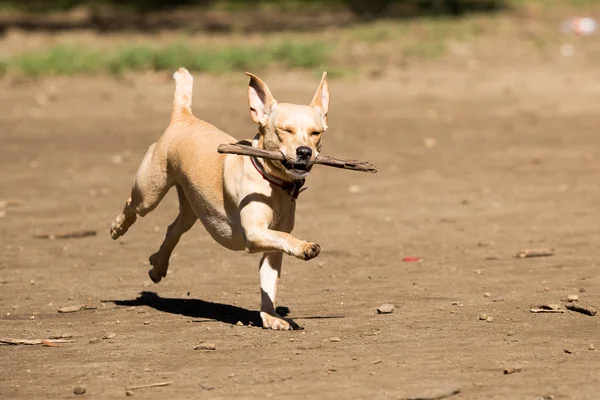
159,270
121,224
278,323
116,228
309,251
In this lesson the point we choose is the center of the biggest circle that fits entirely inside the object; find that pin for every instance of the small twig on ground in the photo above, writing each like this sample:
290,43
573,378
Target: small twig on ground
581,308
512,370
435,395
75,308
243,150
150,385
46,342
529,253
66,235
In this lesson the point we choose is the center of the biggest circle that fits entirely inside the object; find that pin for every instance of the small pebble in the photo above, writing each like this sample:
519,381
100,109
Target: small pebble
146,322
511,333
483,317
207,387
592,347
94,340
487,294
354,189
129,393
377,362
206,346
335,339
109,335
572,297
240,323
385,309
429,143
79,389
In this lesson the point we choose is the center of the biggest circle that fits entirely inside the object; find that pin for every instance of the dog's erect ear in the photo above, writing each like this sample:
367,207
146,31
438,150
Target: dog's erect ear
262,103
321,99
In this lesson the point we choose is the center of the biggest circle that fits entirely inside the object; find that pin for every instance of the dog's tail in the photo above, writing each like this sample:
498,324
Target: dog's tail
182,101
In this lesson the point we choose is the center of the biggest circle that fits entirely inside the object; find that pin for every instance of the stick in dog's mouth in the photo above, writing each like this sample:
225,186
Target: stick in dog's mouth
289,165
244,150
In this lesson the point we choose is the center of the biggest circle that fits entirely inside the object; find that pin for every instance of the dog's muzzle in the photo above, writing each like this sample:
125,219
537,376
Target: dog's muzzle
299,165
302,162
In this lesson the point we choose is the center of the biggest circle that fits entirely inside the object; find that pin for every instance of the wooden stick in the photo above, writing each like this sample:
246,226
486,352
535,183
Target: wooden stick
149,385
545,311
66,235
243,150
435,394
528,253
588,310
47,342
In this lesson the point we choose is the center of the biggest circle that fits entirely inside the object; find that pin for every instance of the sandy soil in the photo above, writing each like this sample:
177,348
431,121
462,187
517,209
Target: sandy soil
474,166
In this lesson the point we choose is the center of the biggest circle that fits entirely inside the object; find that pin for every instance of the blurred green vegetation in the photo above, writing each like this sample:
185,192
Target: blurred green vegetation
69,60
368,46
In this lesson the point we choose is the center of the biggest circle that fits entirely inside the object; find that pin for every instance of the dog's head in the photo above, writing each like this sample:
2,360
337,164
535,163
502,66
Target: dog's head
294,130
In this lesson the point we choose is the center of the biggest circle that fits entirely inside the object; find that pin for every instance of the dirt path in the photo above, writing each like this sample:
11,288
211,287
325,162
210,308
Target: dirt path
473,167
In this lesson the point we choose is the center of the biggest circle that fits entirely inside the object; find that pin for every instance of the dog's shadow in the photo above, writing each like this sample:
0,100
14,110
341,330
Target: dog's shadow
196,308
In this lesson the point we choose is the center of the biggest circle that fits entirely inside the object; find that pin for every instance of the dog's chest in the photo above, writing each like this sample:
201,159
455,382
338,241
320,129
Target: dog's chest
284,211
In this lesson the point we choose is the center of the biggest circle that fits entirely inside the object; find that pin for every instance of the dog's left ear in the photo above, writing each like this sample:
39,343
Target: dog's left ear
261,101
321,99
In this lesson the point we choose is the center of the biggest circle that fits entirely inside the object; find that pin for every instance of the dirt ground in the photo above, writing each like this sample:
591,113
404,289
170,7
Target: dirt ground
474,165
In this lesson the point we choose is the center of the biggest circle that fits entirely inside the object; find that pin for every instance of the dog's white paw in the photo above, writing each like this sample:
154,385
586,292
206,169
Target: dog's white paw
309,251
278,323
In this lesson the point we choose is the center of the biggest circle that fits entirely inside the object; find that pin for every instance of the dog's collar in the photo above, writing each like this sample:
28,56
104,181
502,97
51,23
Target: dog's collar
293,188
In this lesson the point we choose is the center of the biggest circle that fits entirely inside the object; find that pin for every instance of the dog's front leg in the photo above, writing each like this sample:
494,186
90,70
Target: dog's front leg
256,218
262,239
270,271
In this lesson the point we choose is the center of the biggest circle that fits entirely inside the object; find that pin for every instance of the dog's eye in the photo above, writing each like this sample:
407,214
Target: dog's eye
315,133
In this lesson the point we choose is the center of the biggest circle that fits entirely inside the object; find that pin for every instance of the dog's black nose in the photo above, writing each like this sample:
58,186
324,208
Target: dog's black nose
303,152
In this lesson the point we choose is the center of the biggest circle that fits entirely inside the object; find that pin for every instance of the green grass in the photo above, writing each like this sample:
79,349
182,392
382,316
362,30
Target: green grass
70,60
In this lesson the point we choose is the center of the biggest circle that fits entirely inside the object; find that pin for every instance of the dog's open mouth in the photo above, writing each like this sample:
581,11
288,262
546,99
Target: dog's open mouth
299,170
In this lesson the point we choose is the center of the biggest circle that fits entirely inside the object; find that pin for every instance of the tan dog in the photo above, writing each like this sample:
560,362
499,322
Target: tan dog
244,203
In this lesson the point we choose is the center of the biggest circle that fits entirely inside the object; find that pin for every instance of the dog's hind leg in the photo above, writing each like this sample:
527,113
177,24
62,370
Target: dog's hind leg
183,223
150,187
151,183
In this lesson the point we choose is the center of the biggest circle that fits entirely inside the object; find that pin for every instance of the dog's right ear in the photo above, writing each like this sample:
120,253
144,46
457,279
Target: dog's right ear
262,103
